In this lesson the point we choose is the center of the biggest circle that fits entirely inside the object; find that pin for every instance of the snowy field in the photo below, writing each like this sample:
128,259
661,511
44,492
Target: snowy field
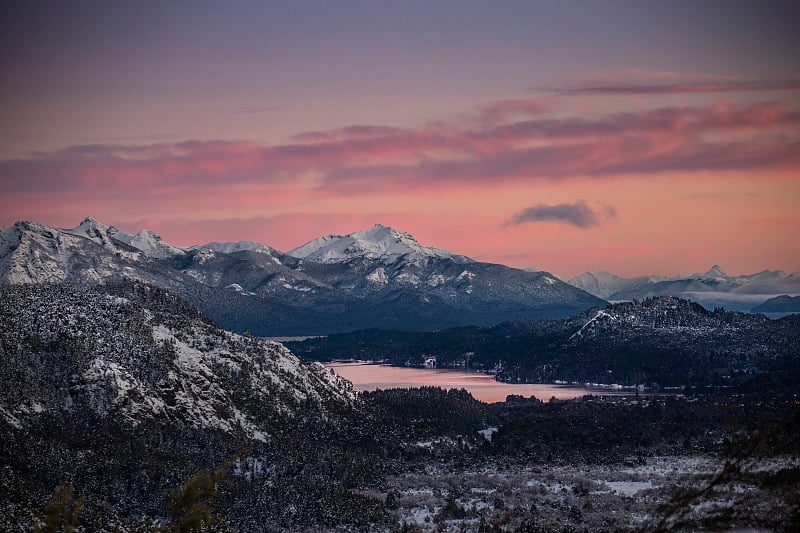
630,497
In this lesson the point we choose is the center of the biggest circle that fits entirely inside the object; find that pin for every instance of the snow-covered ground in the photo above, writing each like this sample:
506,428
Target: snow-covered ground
628,497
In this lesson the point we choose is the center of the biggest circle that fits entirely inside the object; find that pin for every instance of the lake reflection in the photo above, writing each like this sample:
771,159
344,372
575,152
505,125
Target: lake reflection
368,377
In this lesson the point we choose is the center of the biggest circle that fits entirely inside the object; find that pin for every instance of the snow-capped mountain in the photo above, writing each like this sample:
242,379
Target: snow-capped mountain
233,247
378,278
380,243
34,253
136,353
712,288
600,283
149,243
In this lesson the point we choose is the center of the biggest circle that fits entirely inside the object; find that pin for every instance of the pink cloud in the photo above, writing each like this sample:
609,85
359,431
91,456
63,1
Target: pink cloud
375,159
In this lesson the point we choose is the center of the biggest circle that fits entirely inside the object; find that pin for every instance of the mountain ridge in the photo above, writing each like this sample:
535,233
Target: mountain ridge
713,288
379,277
379,242
137,353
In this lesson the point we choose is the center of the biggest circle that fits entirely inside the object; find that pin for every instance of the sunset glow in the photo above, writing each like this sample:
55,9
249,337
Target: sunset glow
654,151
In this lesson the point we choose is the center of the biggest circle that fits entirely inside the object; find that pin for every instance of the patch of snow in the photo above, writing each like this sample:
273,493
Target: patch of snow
378,276
407,277
601,314
109,385
296,287
152,245
233,247
466,275
207,278
204,256
238,288
437,279
488,432
629,488
118,300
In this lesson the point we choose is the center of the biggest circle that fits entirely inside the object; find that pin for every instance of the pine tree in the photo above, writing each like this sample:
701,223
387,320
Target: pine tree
62,511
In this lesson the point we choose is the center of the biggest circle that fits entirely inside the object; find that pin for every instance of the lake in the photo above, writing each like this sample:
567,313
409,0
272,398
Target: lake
368,377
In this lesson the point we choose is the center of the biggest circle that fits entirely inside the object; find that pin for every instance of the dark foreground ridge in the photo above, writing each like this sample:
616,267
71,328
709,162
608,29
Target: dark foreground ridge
126,408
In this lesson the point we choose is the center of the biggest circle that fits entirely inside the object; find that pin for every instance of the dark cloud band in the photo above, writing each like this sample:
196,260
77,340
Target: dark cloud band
578,214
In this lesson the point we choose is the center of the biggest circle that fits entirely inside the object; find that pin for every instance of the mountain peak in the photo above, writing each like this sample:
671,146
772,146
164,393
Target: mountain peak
232,247
89,224
92,229
147,241
380,233
715,272
380,242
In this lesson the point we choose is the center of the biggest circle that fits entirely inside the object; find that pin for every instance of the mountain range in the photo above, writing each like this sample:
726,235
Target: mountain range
376,278
713,288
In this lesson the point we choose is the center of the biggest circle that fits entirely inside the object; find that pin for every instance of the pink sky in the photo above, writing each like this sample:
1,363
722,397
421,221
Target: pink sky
485,133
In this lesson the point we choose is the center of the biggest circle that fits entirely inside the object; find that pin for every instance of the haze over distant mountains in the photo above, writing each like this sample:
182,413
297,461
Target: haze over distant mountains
713,288
376,278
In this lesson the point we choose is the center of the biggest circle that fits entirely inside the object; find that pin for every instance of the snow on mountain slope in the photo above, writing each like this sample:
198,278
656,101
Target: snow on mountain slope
381,243
233,247
151,244
109,237
34,253
141,354
94,231
713,288
713,273
601,284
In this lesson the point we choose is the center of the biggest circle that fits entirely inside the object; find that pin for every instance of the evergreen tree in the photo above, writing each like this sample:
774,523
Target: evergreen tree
62,511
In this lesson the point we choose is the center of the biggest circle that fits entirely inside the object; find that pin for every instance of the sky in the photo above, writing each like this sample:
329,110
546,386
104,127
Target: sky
637,137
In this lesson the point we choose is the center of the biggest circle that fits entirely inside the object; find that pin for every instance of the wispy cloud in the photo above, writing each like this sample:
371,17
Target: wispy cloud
252,109
721,86
578,214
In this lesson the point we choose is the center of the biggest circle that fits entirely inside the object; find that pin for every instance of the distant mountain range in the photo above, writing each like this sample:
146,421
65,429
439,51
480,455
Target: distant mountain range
713,288
779,304
377,278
